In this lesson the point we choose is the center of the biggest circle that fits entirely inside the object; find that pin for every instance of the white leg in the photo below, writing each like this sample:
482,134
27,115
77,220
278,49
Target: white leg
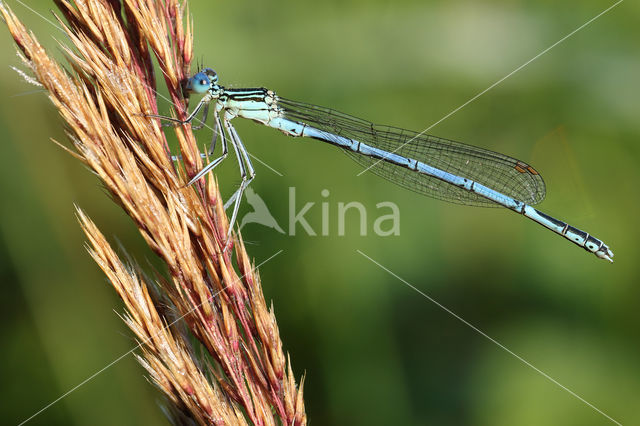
218,160
204,101
205,111
247,172
212,147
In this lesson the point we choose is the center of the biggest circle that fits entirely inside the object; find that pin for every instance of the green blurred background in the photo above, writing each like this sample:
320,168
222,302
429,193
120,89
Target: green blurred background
374,351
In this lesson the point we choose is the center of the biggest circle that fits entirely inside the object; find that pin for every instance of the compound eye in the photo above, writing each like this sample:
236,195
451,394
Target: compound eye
199,83
213,76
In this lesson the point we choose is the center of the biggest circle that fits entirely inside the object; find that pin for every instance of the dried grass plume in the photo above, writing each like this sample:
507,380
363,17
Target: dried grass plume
236,373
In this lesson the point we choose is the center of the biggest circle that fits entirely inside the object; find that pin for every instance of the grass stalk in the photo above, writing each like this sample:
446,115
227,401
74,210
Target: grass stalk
236,372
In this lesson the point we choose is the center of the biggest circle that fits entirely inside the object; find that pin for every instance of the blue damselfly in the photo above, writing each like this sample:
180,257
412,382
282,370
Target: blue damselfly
436,167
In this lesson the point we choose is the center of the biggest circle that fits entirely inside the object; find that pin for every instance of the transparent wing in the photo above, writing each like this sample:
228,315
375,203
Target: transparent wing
499,172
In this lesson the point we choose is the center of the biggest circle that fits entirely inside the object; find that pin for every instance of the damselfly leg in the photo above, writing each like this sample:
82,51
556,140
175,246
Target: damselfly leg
247,173
174,122
213,164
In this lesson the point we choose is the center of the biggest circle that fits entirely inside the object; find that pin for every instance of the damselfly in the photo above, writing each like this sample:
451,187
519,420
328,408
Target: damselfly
439,168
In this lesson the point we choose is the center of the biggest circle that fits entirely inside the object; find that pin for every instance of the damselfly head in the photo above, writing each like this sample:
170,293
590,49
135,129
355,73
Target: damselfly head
202,81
